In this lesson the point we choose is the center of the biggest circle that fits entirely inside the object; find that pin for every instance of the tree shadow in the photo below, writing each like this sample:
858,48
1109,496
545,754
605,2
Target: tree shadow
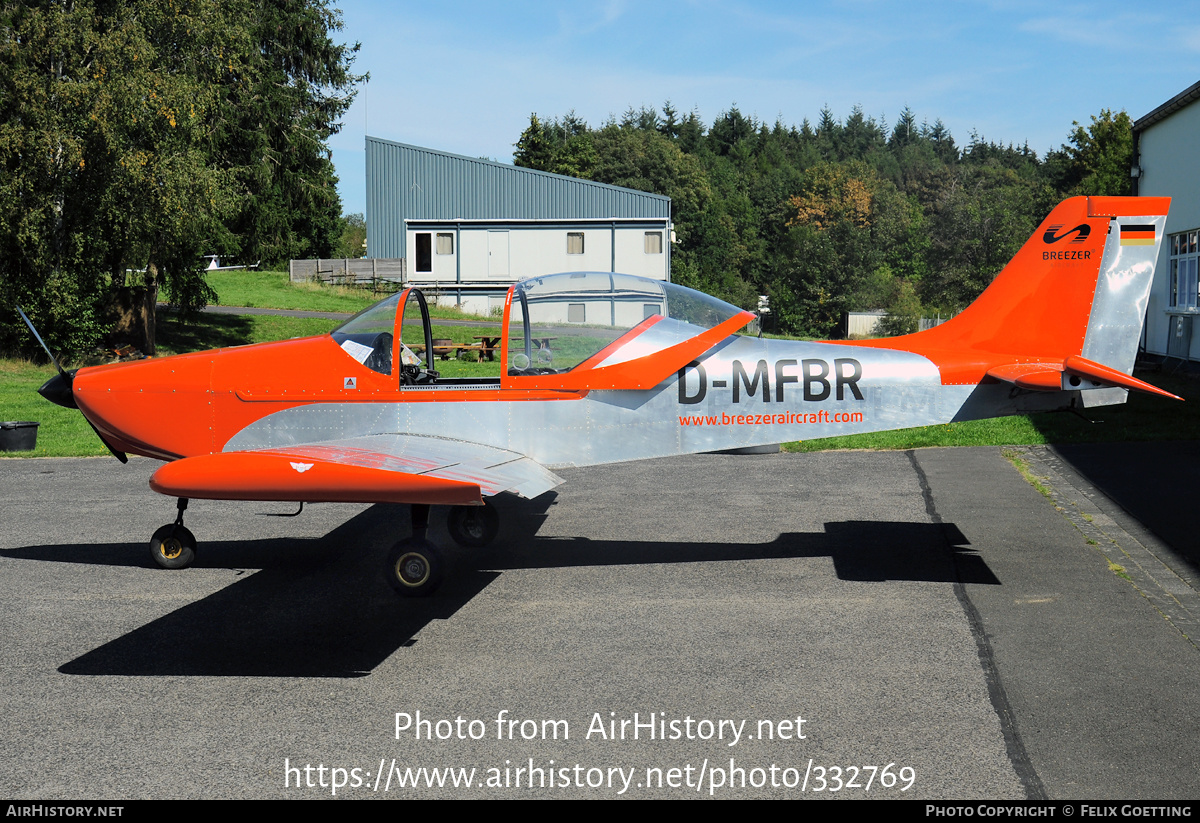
175,333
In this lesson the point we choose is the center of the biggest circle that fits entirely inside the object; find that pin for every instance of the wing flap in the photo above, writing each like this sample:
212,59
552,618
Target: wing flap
1075,364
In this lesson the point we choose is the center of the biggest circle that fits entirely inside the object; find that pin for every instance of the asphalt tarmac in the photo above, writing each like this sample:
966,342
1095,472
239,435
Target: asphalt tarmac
831,625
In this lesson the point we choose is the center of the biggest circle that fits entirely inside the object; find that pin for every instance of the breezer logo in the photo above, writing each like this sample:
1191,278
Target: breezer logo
1052,235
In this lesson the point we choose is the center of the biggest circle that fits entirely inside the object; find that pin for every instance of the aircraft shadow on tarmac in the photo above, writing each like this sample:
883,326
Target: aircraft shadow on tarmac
321,608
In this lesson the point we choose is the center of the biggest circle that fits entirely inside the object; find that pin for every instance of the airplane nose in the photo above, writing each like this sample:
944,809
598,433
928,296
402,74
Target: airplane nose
58,390
160,406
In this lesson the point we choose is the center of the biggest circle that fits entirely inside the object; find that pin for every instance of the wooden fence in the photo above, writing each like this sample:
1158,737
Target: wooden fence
367,272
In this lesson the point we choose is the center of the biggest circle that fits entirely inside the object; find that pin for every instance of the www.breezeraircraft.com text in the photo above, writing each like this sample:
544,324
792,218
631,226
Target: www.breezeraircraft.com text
782,419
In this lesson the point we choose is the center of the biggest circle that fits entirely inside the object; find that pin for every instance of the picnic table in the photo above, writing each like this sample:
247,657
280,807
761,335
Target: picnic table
488,345
541,342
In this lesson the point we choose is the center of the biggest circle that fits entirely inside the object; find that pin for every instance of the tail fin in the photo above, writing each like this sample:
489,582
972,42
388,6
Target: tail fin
1077,288
1123,287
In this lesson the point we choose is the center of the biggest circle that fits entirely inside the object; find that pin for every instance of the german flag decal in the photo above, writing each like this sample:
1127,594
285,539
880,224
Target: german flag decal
1137,234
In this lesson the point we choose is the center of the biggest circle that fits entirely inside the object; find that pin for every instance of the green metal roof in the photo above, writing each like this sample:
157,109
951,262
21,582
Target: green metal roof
413,183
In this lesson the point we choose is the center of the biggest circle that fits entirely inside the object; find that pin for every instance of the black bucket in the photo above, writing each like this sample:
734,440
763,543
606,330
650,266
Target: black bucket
18,436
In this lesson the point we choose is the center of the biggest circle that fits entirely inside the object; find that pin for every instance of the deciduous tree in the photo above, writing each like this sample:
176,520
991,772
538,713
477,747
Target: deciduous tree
1099,157
138,135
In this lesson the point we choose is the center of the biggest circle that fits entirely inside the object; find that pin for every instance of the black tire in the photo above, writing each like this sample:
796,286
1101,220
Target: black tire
473,526
414,568
173,547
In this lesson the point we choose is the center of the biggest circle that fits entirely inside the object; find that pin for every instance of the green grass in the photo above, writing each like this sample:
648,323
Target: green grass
273,290
1119,571
211,331
62,433
1022,466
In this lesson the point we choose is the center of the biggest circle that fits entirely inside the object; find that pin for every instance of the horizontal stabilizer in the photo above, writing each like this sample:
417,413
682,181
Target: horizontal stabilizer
1092,370
1045,376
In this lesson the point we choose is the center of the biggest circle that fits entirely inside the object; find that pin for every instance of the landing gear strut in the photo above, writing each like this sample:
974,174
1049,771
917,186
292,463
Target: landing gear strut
415,566
173,546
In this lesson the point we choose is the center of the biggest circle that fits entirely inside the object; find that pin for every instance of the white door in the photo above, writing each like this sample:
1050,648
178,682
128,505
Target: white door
498,255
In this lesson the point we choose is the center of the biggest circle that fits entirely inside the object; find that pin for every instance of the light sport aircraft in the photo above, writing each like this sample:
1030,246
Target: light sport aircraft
603,367
214,264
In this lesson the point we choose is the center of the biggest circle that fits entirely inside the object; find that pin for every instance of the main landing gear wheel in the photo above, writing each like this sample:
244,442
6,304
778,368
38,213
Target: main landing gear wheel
415,568
173,547
473,526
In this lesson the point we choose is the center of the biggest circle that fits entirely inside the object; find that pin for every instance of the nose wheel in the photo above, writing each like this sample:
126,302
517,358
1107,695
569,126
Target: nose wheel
173,546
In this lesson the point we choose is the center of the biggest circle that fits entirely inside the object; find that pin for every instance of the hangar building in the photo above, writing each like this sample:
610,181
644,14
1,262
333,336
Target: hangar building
1165,163
468,228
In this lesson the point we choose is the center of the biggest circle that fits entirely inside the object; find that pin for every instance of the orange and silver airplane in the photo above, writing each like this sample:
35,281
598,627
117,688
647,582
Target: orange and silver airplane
599,367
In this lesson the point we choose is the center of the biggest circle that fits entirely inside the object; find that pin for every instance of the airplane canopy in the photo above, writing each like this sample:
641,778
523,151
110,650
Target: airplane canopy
572,331
368,335
597,321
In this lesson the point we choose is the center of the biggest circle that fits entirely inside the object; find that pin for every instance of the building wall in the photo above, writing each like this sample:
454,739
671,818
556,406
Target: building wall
481,261
1171,167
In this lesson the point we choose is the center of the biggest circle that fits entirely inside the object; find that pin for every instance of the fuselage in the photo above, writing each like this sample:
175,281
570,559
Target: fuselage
744,391
598,367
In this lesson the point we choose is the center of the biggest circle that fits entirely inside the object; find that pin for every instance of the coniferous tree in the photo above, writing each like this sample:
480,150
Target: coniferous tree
840,215
276,121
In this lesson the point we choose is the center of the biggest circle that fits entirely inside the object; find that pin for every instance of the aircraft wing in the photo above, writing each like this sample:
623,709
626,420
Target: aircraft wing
384,468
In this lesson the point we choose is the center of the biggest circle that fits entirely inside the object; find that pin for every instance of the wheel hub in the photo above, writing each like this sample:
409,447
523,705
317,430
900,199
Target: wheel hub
412,569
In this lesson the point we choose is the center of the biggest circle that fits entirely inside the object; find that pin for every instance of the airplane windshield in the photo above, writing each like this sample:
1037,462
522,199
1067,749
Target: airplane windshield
367,336
559,321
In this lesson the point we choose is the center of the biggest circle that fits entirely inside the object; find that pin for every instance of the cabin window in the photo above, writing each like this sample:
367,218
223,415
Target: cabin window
574,242
558,321
445,243
653,243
